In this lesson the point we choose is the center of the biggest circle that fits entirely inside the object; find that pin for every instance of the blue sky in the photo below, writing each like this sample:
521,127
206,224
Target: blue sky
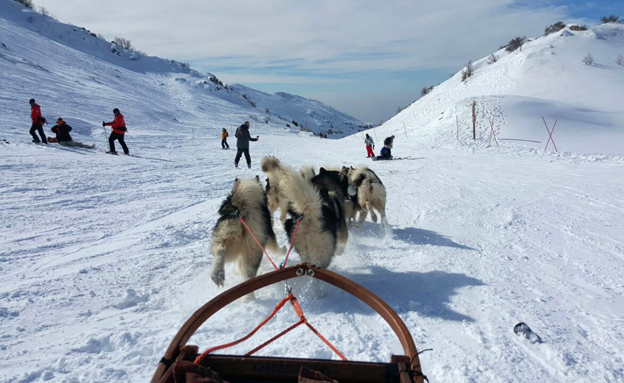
363,57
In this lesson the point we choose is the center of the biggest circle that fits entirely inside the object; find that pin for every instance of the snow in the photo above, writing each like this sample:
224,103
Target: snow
105,257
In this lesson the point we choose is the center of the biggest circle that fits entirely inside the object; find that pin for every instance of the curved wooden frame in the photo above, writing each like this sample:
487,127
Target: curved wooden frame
217,303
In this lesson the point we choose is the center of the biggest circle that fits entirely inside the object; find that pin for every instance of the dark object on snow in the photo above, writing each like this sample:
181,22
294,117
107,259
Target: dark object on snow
524,330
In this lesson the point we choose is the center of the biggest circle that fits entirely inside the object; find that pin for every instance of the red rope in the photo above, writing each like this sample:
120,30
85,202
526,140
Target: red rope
292,241
250,353
258,242
295,303
199,359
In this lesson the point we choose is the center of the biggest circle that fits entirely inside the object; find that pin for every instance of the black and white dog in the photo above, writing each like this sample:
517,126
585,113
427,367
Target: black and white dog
231,241
316,236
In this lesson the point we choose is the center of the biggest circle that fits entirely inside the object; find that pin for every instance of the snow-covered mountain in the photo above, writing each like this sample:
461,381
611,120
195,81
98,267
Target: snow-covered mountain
546,78
34,46
103,258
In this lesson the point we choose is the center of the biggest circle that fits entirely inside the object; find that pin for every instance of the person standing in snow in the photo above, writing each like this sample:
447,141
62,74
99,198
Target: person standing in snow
119,129
37,122
224,136
370,146
63,138
242,143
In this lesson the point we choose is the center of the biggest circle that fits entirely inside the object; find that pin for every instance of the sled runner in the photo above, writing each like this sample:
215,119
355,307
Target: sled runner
181,363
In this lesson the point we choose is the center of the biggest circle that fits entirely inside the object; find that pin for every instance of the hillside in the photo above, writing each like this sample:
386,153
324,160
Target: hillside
545,78
37,53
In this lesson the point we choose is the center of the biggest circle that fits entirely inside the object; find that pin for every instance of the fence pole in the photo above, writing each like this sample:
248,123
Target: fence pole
474,120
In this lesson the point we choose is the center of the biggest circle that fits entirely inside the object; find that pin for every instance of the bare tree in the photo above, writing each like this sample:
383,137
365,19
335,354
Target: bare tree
468,71
556,27
589,59
124,43
26,3
515,44
610,19
492,59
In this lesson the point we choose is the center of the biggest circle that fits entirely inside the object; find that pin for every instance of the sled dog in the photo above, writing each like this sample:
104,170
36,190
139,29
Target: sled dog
231,241
369,192
316,235
334,191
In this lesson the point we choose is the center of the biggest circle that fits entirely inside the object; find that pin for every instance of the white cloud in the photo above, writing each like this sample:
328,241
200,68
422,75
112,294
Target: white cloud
340,36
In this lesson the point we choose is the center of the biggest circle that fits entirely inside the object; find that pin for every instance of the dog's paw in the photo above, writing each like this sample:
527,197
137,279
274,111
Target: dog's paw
218,276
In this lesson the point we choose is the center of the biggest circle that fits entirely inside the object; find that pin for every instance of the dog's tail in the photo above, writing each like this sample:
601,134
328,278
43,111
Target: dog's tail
308,172
303,196
270,164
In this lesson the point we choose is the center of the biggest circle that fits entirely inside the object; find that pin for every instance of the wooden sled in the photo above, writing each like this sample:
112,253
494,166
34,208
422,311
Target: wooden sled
177,364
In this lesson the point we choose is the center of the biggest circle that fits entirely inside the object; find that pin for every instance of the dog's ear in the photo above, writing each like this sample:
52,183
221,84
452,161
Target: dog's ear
322,170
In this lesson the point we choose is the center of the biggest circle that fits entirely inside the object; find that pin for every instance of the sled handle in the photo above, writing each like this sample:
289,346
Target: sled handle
305,269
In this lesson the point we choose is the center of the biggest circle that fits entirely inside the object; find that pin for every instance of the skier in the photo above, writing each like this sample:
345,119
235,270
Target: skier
242,143
63,138
37,122
119,129
224,136
370,146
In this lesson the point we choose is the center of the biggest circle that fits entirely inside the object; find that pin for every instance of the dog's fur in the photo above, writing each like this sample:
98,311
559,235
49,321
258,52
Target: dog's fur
334,189
316,236
231,241
370,194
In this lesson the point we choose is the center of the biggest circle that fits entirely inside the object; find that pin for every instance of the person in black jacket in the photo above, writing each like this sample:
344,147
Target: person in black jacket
388,145
242,143
63,138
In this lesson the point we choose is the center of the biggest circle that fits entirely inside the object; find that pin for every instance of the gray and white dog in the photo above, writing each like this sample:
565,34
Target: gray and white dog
368,191
231,241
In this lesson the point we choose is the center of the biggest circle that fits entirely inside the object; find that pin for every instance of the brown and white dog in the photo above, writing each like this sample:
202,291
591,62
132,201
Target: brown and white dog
368,191
231,241
316,236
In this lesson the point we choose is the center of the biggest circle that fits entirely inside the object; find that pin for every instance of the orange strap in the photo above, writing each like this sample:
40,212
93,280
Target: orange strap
275,310
302,319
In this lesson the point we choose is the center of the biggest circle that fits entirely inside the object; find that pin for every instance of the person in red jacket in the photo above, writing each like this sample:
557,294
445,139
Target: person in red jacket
119,129
37,122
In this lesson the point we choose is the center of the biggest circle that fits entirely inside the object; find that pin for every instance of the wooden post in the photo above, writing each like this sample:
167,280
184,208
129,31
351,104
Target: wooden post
474,119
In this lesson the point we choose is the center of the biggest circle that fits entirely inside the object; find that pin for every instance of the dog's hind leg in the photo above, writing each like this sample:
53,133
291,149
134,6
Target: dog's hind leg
248,265
372,212
362,217
218,267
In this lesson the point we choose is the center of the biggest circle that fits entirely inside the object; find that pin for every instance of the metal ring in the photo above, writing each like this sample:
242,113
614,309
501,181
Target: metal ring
310,273
299,272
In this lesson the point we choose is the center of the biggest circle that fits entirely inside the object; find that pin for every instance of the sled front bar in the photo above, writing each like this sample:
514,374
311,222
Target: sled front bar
411,362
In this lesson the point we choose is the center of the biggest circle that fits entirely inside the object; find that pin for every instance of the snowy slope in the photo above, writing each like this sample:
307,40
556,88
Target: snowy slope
547,79
103,258
42,51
